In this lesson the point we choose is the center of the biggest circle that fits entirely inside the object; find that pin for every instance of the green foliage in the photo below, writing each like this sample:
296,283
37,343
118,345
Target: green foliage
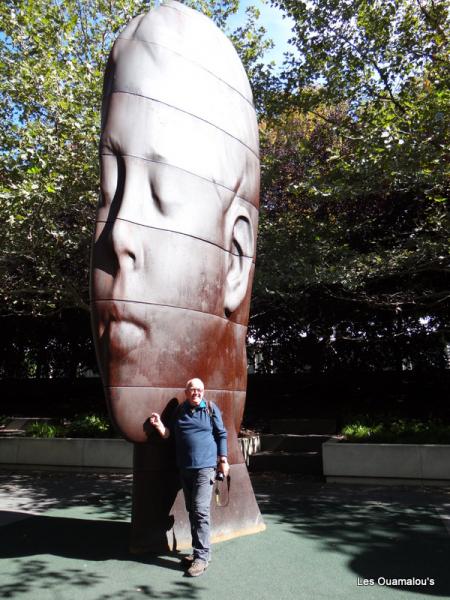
82,426
342,282
251,43
353,261
52,59
44,430
52,56
86,426
353,254
387,65
397,432
343,235
52,346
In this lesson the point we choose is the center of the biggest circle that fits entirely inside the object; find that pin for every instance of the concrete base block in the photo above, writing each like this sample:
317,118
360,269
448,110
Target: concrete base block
419,462
114,455
66,453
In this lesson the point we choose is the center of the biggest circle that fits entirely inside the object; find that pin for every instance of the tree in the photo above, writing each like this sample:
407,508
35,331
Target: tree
389,63
355,156
303,289
52,58
52,55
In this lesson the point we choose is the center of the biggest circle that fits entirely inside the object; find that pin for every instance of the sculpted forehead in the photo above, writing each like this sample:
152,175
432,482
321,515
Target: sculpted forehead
192,36
176,92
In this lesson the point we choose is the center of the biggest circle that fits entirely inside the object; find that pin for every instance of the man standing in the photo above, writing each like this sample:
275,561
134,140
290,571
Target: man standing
201,445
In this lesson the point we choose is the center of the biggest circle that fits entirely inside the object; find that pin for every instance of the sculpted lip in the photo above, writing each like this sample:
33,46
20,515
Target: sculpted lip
122,332
124,336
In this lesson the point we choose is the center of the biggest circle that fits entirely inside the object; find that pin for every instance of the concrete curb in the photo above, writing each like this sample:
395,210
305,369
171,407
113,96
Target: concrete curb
404,463
85,453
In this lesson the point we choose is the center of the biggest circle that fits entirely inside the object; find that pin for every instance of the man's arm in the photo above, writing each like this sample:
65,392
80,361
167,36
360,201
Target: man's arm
220,435
155,420
223,465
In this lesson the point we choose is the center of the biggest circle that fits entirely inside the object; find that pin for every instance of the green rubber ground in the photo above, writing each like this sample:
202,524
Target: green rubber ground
322,541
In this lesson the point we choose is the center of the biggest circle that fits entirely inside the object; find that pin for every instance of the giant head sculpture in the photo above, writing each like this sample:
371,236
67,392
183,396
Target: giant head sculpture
174,246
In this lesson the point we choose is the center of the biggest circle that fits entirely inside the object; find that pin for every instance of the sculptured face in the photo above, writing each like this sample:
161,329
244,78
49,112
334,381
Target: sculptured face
173,250
159,262
159,267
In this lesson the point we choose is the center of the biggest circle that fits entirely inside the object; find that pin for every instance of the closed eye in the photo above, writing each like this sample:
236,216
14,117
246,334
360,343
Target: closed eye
112,182
156,197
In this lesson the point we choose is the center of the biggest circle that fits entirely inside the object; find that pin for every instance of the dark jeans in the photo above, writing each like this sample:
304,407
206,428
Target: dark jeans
197,487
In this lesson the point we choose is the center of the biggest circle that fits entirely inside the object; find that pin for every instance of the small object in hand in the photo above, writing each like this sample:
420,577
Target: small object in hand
219,476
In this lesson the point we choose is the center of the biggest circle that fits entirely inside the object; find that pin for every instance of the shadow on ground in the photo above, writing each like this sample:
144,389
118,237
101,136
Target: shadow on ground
98,494
32,542
37,545
383,532
389,533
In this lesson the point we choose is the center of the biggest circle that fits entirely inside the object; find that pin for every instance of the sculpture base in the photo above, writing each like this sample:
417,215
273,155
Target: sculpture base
160,522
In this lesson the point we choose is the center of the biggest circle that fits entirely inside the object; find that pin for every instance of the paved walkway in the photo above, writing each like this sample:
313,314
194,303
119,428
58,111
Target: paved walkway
65,536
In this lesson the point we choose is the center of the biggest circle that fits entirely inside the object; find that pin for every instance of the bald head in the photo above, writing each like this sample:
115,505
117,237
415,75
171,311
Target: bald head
194,391
195,382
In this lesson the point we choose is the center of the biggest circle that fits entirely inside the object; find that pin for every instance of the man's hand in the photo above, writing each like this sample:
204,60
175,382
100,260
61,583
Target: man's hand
223,466
155,420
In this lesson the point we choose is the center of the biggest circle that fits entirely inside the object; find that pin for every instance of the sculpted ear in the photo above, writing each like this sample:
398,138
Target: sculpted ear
241,250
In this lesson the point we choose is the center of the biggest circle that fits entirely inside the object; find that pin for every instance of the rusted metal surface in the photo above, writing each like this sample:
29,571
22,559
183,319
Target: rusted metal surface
174,244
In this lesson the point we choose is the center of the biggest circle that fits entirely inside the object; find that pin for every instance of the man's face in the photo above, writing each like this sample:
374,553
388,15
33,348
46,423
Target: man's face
194,392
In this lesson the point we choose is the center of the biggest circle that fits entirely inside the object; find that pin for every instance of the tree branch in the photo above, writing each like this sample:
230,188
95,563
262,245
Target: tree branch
430,19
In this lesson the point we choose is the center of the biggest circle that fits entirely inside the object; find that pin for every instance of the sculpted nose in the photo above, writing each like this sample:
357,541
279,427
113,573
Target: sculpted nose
124,241
124,235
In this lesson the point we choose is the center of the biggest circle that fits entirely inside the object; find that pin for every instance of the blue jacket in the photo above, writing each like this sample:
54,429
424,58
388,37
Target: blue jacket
199,436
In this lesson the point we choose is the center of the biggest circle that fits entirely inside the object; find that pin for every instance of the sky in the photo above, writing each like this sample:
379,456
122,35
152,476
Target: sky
271,18
278,29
